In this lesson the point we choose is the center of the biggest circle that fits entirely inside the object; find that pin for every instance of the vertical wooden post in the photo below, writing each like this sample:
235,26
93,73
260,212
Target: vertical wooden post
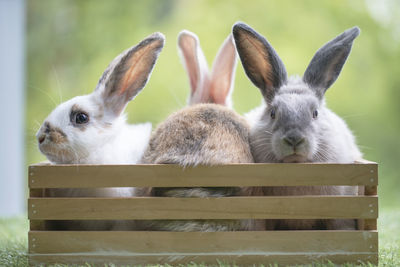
369,190
371,224
35,225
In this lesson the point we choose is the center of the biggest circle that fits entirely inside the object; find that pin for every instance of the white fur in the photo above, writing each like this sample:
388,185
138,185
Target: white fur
103,142
254,115
105,138
215,86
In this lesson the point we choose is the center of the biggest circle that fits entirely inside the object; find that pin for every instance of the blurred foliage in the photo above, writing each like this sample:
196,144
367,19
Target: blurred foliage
70,43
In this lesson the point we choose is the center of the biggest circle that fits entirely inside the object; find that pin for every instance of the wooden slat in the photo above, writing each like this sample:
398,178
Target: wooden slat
37,224
214,260
36,192
370,224
290,207
168,175
364,161
250,242
371,190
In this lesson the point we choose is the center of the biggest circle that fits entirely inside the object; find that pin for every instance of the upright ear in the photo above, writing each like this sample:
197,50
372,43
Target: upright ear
223,72
196,66
327,63
260,61
128,73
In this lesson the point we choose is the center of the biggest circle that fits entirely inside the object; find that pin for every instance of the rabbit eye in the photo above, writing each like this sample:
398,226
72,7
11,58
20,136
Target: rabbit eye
315,114
273,114
81,118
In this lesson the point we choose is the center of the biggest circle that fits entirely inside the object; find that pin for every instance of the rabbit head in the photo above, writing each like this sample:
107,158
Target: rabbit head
77,128
215,87
295,122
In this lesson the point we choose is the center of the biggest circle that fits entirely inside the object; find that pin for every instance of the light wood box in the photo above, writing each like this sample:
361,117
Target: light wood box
240,247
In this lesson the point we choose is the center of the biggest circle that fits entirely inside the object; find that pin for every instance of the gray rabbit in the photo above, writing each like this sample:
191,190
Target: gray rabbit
295,124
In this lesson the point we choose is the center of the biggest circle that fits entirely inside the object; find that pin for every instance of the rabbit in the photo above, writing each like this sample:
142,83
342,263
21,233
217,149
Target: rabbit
92,129
295,124
202,134
199,129
217,86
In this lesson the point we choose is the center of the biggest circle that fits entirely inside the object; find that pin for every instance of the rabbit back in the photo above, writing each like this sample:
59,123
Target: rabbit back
203,134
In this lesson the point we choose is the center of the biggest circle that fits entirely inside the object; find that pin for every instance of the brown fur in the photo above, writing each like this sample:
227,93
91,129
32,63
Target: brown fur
203,134
56,135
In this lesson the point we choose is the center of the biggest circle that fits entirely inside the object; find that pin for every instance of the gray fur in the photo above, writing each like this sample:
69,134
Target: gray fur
294,134
327,63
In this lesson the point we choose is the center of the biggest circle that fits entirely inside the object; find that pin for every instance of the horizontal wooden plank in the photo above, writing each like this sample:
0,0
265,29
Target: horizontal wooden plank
168,175
214,260
149,208
364,161
250,242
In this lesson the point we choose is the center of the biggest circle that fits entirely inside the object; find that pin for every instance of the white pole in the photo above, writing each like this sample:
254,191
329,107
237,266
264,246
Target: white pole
12,31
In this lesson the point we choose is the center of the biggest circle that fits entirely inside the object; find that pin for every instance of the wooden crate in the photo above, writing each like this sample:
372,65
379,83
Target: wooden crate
241,247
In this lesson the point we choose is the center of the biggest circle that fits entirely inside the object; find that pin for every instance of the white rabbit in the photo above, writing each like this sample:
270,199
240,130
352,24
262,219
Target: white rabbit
217,86
91,129
295,124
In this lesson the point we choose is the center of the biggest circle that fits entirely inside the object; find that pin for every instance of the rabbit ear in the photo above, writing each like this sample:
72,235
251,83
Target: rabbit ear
223,72
196,66
128,73
327,63
260,61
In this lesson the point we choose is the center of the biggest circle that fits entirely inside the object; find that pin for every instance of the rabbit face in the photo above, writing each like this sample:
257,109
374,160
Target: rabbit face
75,128
292,125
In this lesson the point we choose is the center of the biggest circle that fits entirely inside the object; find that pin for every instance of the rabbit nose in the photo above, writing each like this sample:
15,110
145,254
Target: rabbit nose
294,140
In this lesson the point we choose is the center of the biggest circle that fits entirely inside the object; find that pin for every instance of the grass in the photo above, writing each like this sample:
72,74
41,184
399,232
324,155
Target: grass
13,242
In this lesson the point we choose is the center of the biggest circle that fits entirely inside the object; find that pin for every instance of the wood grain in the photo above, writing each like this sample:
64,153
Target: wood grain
214,260
168,175
242,248
250,242
150,208
36,224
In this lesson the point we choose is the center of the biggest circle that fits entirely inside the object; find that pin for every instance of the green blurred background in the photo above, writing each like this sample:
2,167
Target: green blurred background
70,43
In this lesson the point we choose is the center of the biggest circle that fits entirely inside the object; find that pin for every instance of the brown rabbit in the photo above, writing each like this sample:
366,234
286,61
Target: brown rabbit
202,134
